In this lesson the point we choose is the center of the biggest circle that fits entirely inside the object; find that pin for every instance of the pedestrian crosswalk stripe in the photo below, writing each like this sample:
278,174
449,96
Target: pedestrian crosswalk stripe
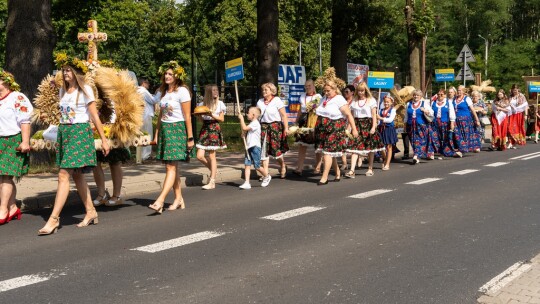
181,241
497,164
525,155
370,193
463,172
424,181
292,213
22,281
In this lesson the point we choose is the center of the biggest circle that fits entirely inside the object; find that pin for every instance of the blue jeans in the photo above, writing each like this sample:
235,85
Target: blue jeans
254,157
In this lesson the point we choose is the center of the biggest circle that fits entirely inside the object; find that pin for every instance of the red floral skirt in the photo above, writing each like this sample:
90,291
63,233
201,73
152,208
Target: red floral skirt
330,136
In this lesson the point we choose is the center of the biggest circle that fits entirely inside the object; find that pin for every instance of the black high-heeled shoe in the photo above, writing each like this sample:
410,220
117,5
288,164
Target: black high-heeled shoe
319,183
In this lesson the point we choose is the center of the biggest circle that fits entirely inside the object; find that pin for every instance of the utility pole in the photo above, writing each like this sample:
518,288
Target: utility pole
486,55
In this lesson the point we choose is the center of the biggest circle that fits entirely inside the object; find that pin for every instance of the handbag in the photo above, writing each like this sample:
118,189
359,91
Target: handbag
485,120
429,118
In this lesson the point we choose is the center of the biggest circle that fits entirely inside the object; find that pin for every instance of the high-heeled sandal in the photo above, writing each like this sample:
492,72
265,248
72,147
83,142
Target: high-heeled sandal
211,185
283,173
177,205
93,220
17,214
42,231
158,208
101,199
114,201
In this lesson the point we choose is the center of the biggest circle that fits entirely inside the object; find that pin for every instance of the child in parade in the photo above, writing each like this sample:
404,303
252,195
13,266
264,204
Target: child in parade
253,142
386,117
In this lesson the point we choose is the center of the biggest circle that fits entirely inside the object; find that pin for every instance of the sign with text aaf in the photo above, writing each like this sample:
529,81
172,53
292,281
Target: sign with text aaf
442,75
291,80
380,80
234,70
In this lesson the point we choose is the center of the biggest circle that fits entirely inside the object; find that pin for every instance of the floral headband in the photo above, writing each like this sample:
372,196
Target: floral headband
178,70
9,80
62,59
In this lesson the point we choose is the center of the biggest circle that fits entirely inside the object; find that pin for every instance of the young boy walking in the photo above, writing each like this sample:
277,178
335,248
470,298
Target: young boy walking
253,139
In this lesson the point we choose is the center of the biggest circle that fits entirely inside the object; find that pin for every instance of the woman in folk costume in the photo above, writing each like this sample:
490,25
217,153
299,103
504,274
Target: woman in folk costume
466,138
418,127
517,117
443,125
274,127
174,133
211,137
15,113
499,121
364,111
330,130
308,103
480,108
348,94
386,128
76,153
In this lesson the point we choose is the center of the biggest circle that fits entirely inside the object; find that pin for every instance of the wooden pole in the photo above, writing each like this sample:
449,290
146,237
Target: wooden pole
240,112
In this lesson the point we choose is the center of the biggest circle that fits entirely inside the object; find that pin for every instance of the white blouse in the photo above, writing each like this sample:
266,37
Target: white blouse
270,112
330,107
220,108
171,109
74,106
362,108
15,110
514,101
305,99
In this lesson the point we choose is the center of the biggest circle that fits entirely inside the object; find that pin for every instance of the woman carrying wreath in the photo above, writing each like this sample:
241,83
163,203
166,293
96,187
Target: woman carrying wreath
330,134
308,103
211,137
15,113
274,128
76,154
174,133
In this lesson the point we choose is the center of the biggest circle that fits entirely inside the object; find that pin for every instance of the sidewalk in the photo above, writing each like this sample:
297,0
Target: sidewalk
519,285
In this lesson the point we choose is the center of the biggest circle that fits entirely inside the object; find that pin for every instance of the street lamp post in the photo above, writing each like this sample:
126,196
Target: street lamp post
486,54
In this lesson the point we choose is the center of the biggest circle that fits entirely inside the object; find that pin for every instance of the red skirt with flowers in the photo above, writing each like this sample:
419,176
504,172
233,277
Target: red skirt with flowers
211,137
273,140
330,136
365,143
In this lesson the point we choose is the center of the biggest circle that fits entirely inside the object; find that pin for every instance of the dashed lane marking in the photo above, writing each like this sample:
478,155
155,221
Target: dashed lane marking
526,155
424,181
292,213
504,278
497,164
181,241
463,172
22,281
370,193
531,157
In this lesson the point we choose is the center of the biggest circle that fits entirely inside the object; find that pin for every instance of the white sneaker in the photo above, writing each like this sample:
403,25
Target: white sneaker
459,154
415,160
245,186
266,181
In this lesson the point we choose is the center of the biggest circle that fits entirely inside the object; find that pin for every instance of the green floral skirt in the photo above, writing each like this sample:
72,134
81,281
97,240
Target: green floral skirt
172,142
75,146
117,155
12,163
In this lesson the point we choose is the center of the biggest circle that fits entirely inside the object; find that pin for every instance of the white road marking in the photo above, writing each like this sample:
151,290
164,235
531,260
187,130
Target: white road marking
292,213
497,164
463,172
531,157
181,241
424,181
504,278
370,193
523,156
22,281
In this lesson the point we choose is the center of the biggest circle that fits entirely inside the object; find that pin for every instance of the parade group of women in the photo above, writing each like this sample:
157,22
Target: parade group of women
349,123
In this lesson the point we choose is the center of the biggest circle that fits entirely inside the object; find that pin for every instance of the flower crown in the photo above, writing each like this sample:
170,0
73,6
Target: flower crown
178,70
62,59
9,80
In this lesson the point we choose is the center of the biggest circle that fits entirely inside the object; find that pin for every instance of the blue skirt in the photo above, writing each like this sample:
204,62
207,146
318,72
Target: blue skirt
420,136
388,134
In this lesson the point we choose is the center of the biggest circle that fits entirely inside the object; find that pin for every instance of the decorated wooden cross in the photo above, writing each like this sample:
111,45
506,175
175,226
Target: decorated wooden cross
91,37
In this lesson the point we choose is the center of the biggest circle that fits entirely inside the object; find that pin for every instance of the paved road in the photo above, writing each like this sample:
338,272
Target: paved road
435,242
